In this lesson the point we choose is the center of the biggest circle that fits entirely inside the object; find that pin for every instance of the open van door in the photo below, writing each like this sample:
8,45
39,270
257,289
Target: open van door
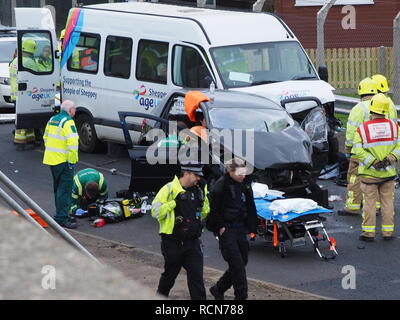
38,67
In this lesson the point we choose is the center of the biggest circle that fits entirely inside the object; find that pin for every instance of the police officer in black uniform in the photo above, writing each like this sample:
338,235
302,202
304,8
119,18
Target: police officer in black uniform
181,246
232,217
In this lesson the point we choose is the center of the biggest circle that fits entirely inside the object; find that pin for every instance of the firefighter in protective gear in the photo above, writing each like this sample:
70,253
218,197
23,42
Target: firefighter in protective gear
383,87
22,137
89,186
13,68
180,207
358,115
377,148
61,154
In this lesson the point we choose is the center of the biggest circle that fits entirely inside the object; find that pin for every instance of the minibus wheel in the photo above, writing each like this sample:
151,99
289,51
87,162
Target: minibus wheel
87,133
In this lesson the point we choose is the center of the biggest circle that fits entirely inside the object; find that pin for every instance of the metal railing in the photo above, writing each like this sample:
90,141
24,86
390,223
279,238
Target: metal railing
39,211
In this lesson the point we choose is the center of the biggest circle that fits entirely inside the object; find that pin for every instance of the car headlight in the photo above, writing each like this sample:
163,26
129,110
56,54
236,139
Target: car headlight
4,80
316,126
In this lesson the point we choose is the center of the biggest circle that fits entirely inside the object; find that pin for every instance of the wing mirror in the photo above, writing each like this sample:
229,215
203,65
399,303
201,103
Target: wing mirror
323,73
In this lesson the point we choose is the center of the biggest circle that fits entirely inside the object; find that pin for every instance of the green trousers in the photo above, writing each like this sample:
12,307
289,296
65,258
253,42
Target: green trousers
62,182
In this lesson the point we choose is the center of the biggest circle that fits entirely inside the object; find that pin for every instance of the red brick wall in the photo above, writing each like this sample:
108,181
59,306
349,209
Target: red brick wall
374,24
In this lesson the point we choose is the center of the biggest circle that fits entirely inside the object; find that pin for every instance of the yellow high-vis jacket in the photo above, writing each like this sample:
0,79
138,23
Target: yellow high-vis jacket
375,140
360,114
164,205
61,140
13,68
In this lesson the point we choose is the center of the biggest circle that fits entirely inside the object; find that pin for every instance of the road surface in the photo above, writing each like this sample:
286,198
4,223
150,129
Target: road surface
376,265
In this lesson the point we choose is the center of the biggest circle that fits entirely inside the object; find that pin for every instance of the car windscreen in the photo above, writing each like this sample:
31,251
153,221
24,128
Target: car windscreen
7,49
262,63
265,120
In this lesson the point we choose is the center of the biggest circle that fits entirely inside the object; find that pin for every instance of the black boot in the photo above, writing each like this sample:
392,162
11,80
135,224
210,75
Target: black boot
218,295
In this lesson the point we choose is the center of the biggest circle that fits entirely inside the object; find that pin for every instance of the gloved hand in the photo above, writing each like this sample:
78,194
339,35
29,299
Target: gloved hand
347,155
71,165
391,158
80,212
378,164
347,150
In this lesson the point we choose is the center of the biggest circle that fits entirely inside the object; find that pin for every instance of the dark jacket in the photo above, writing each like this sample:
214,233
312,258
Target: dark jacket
226,205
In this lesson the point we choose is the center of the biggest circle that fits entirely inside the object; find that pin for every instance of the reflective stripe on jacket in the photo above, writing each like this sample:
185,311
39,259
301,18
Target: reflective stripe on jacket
374,140
164,205
360,114
61,140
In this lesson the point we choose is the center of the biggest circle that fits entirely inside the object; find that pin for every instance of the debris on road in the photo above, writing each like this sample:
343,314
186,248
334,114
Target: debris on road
333,198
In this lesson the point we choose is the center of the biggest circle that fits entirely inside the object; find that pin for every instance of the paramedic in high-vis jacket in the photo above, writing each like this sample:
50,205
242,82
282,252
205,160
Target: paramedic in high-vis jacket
61,142
377,148
89,186
180,207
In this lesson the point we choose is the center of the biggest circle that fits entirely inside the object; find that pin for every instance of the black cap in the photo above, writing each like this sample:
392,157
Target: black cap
192,166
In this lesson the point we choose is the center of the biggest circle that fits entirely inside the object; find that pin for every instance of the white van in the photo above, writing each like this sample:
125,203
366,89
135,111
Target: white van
128,56
8,43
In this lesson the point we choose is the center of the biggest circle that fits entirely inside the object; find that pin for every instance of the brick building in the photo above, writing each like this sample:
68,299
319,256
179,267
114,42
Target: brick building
374,22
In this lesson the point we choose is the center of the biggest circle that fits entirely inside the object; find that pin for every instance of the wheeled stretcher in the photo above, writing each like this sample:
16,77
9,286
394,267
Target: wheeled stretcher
293,227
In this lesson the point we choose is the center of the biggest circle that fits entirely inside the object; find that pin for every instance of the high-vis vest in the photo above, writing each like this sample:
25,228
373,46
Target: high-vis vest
360,114
374,140
13,79
61,140
29,62
44,65
81,179
164,205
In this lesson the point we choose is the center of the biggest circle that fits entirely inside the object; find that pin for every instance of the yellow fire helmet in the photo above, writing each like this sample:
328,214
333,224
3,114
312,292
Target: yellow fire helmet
379,104
381,82
367,86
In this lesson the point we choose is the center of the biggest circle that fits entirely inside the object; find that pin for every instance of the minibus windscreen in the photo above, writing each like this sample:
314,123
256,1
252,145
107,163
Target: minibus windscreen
262,63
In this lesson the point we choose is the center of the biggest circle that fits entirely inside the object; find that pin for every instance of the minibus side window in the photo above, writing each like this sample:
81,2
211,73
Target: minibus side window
118,57
189,68
152,61
85,57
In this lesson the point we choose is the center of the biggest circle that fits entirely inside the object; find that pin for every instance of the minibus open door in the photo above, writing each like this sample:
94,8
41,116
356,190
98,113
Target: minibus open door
38,67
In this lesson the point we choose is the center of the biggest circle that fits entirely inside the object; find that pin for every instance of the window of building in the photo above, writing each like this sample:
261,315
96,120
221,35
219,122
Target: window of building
152,61
303,3
118,57
189,68
85,57
36,48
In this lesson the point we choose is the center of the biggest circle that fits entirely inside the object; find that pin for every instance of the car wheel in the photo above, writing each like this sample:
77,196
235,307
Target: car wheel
87,134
